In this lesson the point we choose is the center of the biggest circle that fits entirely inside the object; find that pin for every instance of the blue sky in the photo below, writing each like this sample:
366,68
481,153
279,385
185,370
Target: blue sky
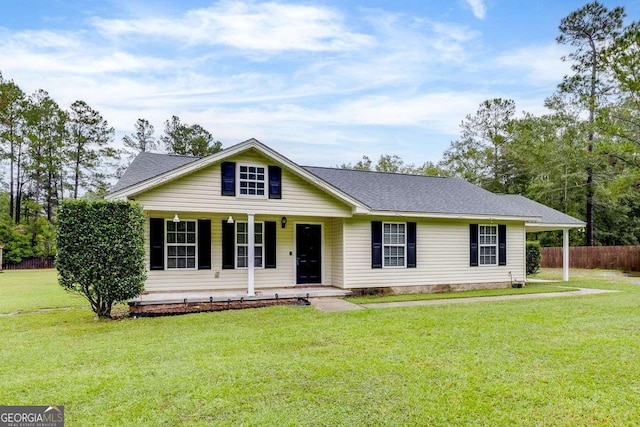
322,82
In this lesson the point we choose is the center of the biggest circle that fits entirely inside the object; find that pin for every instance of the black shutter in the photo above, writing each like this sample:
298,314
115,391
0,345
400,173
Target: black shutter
156,241
473,247
204,244
275,182
270,244
376,244
228,245
502,244
411,245
228,170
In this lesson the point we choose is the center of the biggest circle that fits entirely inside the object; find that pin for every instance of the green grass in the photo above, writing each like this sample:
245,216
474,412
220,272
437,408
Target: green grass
29,290
532,288
554,361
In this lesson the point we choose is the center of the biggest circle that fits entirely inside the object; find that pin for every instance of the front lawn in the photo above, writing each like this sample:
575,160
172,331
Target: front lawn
29,290
555,361
531,288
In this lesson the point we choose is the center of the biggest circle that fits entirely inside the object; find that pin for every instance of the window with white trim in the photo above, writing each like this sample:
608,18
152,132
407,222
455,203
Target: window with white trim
242,244
488,244
394,244
251,180
181,244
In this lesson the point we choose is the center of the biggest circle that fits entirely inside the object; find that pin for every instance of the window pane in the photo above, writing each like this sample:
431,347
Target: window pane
182,263
191,251
171,226
191,238
171,263
242,262
171,250
171,238
191,263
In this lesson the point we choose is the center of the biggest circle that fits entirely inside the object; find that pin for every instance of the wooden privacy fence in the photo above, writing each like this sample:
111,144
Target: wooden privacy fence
30,263
608,257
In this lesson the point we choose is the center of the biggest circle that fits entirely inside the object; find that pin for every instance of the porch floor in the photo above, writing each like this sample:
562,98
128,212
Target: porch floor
236,294
194,301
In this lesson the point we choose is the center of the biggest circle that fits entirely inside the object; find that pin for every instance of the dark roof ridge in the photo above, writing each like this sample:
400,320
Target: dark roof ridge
379,172
170,154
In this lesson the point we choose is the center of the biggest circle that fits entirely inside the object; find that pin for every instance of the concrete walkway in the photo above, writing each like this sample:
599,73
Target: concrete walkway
336,304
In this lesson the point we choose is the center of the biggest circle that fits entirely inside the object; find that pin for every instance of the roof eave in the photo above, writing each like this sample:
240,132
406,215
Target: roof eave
460,216
538,226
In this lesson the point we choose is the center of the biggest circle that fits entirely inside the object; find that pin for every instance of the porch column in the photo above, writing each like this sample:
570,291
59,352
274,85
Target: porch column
251,255
565,254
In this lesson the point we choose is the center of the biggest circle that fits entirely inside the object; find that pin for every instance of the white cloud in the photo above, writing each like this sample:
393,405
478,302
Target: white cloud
254,26
478,8
300,78
537,64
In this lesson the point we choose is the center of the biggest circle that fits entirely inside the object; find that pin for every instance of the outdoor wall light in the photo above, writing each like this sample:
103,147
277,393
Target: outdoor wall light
230,220
283,221
176,218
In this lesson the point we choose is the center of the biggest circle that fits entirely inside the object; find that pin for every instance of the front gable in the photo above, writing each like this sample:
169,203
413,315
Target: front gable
249,181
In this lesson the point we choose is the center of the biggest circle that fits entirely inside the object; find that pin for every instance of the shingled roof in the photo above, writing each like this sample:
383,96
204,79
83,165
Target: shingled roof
385,192
548,216
147,165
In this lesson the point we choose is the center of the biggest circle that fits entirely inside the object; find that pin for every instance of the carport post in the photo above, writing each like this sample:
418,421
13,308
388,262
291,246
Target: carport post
565,254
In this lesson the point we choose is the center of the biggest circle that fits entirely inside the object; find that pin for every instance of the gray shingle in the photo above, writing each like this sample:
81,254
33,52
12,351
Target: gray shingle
416,193
148,165
548,215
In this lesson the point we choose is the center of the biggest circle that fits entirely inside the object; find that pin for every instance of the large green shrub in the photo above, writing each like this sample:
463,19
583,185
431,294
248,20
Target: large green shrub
101,251
534,257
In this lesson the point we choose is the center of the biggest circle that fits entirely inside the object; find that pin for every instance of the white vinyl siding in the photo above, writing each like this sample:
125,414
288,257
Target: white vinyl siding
201,192
394,244
242,244
488,244
442,249
337,252
181,244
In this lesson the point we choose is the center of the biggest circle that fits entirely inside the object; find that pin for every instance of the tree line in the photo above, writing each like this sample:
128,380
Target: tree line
583,156
52,154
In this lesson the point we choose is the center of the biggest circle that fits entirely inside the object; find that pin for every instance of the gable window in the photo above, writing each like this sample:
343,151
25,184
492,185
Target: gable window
488,244
394,243
181,244
251,180
242,244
